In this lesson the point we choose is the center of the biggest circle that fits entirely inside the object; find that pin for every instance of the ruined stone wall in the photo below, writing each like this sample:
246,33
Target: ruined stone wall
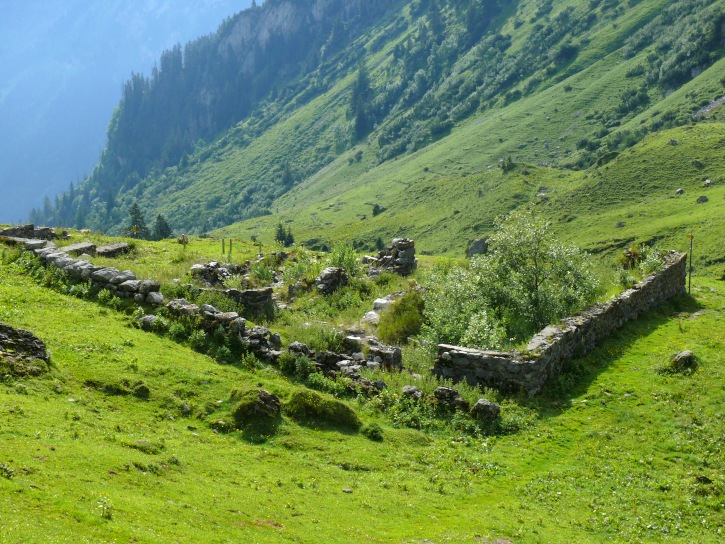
548,351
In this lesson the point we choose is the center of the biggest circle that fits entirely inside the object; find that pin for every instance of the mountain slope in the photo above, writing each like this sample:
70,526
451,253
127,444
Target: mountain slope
425,96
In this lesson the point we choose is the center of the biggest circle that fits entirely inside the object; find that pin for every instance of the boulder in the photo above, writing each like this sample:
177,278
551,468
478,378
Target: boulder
104,275
148,286
683,360
182,307
113,250
130,286
412,392
147,322
702,199
331,279
389,356
255,407
77,249
398,258
447,396
18,342
121,277
680,191
155,298
485,410
477,247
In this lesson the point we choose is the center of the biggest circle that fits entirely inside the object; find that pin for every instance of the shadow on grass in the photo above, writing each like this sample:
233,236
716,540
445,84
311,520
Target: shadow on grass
578,374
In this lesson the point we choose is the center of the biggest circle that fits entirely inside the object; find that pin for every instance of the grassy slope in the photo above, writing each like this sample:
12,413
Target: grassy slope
625,453
423,191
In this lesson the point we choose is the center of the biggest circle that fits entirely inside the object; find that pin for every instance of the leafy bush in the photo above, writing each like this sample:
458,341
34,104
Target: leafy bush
373,431
403,319
261,274
650,260
178,331
304,266
344,256
527,280
197,341
255,411
313,409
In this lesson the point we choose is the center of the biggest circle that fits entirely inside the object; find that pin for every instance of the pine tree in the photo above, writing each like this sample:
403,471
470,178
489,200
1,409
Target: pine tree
280,234
289,238
137,228
162,229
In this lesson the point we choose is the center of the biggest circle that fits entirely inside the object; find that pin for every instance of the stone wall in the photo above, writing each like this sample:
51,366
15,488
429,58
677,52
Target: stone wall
398,258
548,351
29,231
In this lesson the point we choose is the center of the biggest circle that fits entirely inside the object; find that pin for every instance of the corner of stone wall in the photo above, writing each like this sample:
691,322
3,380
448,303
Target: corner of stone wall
551,348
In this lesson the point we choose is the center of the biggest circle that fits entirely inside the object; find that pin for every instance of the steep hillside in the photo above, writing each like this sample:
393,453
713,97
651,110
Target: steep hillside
414,111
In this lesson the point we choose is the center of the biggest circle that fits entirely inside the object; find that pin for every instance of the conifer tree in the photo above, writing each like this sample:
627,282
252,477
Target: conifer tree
280,234
137,228
162,229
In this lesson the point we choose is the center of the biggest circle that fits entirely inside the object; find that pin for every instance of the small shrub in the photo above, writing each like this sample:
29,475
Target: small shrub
178,331
320,382
106,507
261,274
255,410
322,337
223,354
313,409
6,471
403,319
80,290
373,431
197,341
304,367
141,391
250,362
650,261
105,297
344,256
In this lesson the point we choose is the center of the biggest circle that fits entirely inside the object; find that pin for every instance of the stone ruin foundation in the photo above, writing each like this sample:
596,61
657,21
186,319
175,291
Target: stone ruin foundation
549,350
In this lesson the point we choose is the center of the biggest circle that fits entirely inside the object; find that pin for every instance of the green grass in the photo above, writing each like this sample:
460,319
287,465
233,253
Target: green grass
615,450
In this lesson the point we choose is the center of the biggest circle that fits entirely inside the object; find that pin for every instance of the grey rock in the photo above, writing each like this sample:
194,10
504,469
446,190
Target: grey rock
77,249
113,250
104,275
182,307
148,286
413,392
121,277
300,348
331,279
478,247
683,360
486,410
130,286
155,298
147,322
702,199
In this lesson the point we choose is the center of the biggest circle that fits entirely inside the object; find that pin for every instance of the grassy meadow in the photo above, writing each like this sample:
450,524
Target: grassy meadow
618,449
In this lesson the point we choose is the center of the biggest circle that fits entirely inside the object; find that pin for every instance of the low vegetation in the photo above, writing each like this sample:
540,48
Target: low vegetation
613,420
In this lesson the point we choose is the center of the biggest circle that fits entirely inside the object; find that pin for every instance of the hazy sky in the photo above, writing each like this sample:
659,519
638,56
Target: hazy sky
63,63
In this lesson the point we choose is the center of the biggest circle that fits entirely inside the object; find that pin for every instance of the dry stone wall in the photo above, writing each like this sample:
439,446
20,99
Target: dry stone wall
548,351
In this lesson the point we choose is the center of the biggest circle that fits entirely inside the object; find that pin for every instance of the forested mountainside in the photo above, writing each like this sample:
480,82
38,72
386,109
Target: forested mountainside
297,105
